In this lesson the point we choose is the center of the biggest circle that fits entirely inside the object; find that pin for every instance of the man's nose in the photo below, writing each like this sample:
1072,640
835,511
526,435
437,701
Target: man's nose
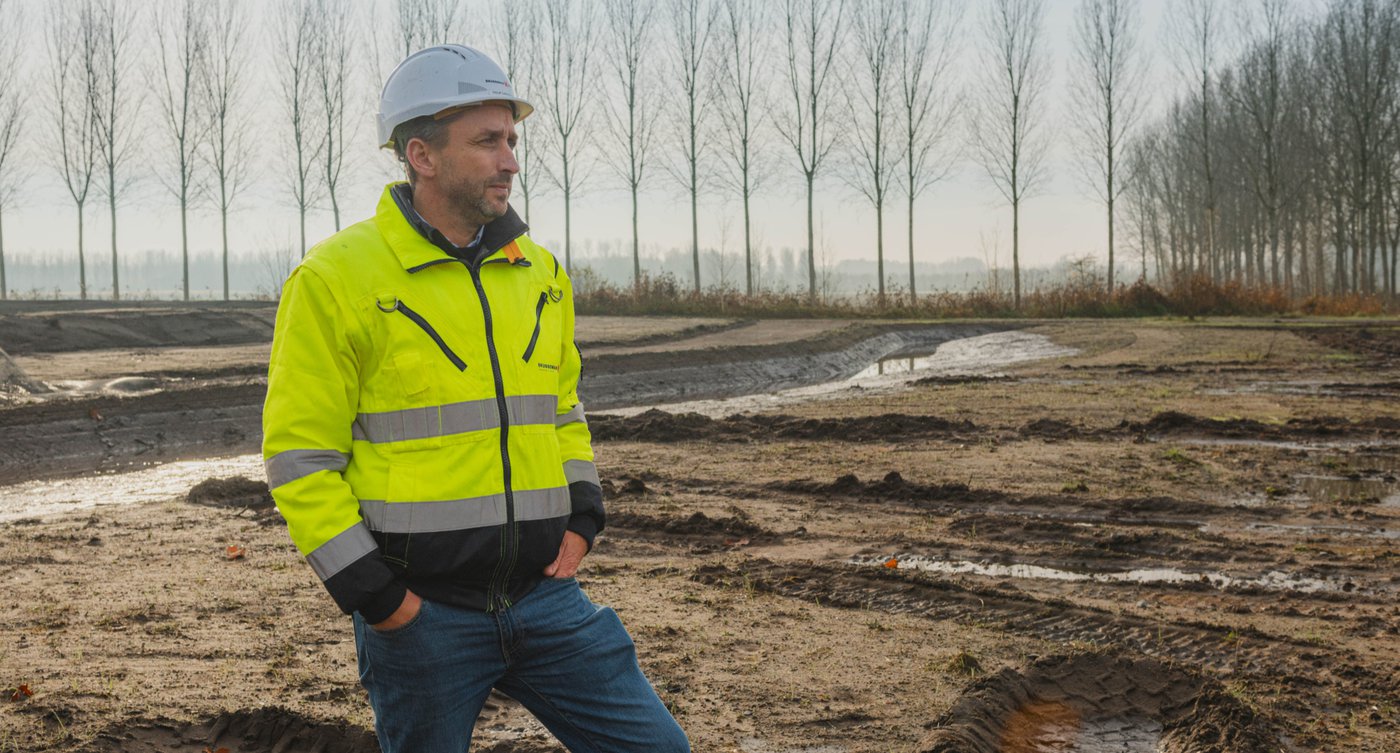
508,163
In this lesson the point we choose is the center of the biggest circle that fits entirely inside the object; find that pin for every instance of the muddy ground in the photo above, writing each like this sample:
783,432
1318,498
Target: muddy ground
1183,537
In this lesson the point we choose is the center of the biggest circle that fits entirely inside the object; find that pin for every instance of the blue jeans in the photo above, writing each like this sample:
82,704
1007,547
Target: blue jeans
569,661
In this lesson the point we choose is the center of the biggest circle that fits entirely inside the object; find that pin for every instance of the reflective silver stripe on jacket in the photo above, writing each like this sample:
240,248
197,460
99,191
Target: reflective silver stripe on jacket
338,553
575,415
581,470
289,465
462,514
453,418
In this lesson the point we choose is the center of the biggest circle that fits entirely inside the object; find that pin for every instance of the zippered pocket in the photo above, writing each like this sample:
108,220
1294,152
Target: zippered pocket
535,336
423,324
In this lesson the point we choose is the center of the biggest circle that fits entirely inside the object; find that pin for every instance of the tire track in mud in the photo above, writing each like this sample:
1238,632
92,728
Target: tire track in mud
1316,674
1121,703
901,592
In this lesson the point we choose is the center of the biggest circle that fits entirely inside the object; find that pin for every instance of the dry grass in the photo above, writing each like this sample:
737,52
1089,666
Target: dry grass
1192,296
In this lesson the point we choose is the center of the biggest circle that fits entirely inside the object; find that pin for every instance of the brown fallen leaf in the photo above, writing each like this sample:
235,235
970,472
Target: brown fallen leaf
21,692
892,563
235,552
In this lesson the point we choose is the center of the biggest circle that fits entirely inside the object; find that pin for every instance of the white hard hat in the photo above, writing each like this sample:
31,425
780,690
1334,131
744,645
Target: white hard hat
439,78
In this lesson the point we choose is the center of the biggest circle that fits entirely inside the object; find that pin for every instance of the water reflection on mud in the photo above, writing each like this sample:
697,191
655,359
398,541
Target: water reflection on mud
982,355
1274,580
970,355
154,484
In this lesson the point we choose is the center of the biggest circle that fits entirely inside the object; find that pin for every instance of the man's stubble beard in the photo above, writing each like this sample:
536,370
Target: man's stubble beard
470,199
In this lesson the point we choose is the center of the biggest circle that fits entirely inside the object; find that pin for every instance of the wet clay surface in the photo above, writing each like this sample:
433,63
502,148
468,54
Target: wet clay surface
1120,550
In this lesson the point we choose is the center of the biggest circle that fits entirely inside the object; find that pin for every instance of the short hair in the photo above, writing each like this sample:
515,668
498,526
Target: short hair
428,129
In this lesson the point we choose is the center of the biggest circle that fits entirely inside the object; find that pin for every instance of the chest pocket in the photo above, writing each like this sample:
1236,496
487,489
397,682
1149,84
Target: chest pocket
543,347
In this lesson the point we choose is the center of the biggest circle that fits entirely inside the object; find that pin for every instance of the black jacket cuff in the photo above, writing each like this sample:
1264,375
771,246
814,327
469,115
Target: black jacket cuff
379,606
588,516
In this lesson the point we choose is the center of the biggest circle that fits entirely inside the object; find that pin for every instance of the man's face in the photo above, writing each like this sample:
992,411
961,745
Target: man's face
476,164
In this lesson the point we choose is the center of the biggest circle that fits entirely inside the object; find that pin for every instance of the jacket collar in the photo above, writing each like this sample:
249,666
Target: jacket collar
417,243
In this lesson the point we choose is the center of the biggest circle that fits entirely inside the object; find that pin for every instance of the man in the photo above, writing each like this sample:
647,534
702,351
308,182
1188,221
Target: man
424,440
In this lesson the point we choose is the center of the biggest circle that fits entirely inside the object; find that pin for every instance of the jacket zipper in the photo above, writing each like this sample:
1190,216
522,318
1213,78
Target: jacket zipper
423,324
534,336
496,597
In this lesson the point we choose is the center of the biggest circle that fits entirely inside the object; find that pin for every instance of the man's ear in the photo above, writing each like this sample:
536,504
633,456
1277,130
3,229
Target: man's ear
420,156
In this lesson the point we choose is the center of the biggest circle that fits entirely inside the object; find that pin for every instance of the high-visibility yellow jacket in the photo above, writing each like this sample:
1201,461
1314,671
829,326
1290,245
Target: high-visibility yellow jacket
422,427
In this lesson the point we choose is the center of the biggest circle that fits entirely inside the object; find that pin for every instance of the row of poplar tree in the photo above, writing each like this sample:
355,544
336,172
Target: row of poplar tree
1278,163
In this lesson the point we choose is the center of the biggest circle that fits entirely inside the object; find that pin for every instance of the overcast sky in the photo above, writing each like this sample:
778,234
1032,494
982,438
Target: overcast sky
964,216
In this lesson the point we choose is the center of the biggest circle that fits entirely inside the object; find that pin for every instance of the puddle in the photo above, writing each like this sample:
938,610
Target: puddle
981,355
154,484
1053,727
1360,531
1384,489
130,386
1274,580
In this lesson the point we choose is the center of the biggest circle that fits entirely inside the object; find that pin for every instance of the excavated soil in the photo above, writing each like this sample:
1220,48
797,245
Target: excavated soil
1184,537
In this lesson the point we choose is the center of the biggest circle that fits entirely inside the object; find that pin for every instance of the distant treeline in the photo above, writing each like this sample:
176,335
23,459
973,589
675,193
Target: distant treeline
1275,164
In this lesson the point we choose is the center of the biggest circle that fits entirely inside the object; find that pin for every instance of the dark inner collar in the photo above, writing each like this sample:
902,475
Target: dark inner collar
492,237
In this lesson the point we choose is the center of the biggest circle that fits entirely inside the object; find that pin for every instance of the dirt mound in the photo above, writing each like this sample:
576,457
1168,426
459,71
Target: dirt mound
891,488
1177,423
659,426
266,730
947,380
1380,344
955,497
237,491
1051,428
112,432
137,327
696,525
1115,701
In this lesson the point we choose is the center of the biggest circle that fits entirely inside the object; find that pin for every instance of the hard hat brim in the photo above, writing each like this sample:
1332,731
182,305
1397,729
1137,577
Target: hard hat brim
521,107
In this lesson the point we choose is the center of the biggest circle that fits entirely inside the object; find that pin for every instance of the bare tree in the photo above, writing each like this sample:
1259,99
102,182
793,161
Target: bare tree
567,40
225,88
116,106
631,117
11,122
928,100
1195,28
1007,134
72,48
423,23
692,24
1261,95
294,35
181,39
874,151
1106,95
812,32
1357,55
742,93
514,25
333,41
